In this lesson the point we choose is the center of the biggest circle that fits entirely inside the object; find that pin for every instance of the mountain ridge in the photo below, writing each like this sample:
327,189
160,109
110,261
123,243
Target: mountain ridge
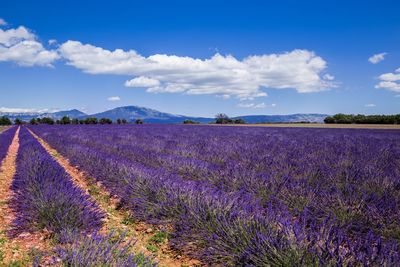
149,115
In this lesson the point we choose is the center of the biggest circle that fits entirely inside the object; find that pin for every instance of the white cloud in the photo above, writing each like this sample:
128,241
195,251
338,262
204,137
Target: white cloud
114,98
375,59
254,105
52,41
390,81
301,70
142,82
370,105
21,46
3,22
225,76
27,110
329,77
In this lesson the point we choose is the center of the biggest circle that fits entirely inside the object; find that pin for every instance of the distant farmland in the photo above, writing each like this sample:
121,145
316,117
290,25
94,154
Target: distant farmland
323,125
202,195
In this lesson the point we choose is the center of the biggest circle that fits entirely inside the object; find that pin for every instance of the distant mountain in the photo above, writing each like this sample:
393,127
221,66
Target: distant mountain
284,118
131,113
26,116
73,113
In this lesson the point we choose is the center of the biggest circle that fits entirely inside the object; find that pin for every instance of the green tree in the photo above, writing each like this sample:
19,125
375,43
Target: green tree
47,120
5,121
91,120
18,121
139,121
105,121
222,118
65,120
33,121
363,119
329,119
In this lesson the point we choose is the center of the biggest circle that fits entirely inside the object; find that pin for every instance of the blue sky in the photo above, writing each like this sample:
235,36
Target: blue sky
201,57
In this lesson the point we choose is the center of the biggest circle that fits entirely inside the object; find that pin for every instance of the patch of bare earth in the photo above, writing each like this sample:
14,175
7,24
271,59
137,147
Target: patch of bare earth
3,128
120,220
21,249
316,125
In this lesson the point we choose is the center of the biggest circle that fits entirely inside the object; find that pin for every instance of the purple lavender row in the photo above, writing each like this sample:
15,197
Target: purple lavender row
45,196
6,138
231,227
285,166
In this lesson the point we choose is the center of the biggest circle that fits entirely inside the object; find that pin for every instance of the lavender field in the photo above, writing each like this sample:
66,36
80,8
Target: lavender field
247,196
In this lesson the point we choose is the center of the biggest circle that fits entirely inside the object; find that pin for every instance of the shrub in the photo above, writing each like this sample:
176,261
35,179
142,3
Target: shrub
190,122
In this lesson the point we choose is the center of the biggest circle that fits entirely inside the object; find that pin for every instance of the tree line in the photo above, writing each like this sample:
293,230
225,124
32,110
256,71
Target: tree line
363,119
65,120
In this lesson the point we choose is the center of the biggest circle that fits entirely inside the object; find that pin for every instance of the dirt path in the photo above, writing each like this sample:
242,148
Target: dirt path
22,249
150,240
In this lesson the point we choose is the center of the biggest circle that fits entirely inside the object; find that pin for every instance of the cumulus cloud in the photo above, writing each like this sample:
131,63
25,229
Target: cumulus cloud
254,105
22,47
375,59
222,75
370,105
3,22
142,82
114,98
390,81
301,70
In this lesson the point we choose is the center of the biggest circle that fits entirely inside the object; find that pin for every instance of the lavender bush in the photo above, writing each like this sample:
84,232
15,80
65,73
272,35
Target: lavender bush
6,138
100,250
252,196
44,195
